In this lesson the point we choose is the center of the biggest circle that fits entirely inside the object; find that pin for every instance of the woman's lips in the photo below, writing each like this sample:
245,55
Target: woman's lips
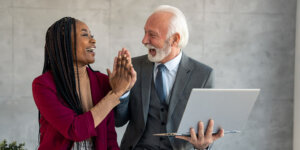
91,51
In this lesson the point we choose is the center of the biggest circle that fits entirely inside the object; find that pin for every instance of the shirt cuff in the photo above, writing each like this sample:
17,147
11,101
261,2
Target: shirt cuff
125,95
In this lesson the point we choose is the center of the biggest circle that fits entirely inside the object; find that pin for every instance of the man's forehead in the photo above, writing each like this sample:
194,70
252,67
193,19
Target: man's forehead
152,28
160,15
158,20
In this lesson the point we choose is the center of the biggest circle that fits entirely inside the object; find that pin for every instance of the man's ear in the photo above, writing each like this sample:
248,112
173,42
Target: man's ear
175,39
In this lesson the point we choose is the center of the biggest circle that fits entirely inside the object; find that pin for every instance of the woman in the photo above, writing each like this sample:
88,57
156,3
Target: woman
75,102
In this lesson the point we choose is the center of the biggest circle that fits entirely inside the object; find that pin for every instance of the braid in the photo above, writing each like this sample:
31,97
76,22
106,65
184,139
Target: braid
59,60
75,52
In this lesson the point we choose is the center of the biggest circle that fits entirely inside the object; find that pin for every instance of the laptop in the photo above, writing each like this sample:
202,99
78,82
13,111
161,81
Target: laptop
229,108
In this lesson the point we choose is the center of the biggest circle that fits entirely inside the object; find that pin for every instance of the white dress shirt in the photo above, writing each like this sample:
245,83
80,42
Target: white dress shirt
169,75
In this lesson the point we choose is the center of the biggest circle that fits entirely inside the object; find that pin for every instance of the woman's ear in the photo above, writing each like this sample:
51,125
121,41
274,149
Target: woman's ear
175,39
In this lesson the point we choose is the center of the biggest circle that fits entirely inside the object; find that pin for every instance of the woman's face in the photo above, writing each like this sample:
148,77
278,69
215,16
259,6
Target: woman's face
85,44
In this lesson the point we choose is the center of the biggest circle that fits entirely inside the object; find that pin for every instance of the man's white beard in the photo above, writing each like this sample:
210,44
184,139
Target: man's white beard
160,53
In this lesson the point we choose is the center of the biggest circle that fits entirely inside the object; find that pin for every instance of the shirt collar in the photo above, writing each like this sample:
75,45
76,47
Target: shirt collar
173,63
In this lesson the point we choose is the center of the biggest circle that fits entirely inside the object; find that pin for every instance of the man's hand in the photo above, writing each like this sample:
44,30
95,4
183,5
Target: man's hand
120,78
132,71
203,140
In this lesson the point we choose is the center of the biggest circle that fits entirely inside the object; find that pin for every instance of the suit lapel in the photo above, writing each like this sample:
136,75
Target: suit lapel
147,75
182,77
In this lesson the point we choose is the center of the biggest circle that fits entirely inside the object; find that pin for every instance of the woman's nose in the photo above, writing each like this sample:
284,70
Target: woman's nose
93,40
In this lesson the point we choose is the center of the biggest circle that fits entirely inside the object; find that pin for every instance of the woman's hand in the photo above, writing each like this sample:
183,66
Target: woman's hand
132,71
121,78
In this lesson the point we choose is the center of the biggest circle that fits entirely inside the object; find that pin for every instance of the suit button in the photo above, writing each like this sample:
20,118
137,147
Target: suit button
162,123
161,138
130,147
162,110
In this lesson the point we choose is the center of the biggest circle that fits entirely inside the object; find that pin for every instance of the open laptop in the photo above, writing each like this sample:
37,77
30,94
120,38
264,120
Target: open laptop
229,108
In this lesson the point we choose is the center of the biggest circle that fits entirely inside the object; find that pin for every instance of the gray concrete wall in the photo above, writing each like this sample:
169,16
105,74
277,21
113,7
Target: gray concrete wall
296,137
249,43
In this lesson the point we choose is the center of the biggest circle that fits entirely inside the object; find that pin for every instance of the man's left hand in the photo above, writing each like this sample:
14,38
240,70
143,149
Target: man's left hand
203,140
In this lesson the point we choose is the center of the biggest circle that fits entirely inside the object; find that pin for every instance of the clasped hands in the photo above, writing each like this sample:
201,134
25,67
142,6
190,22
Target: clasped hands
202,140
123,76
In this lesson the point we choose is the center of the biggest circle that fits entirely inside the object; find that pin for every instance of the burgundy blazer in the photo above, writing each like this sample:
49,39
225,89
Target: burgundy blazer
60,126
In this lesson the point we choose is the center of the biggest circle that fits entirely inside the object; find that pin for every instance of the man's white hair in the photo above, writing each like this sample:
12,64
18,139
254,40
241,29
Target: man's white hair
177,24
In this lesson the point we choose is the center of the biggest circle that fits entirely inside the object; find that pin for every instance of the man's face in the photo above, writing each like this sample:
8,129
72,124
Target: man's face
155,38
158,54
85,44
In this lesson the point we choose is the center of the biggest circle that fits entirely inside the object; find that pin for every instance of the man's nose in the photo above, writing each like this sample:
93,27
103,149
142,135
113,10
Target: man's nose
145,39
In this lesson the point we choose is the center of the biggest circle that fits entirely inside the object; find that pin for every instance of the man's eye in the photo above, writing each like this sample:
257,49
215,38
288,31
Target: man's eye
85,35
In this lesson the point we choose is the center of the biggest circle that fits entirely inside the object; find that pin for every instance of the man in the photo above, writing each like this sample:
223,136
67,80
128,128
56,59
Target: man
165,78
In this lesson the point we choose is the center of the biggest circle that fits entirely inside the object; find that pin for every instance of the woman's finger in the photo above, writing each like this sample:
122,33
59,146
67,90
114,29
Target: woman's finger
128,55
115,65
119,65
126,68
123,65
108,73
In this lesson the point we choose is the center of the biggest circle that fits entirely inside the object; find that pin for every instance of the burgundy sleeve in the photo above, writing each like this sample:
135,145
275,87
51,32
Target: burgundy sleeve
111,133
63,119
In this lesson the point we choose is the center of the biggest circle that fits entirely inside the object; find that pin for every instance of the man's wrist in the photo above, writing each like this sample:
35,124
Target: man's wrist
125,95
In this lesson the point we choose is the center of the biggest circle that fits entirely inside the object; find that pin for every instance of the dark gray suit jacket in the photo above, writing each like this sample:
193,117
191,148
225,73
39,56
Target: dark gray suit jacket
191,74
